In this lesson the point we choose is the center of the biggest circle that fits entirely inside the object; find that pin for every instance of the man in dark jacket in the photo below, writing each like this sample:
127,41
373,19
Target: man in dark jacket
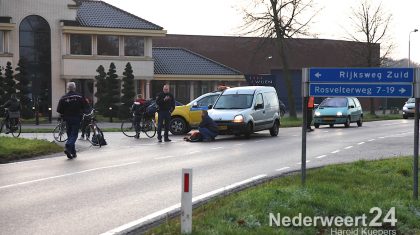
71,107
166,103
207,128
12,105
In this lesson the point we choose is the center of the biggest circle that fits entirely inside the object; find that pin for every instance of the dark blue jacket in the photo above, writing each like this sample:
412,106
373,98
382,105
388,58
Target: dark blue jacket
208,123
165,105
72,105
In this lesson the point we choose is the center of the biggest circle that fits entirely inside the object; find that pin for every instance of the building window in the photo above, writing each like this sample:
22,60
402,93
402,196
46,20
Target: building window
2,41
108,45
80,44
134,46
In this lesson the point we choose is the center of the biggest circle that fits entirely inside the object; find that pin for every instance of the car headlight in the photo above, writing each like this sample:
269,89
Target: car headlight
339,114
317,113
238,119
405,108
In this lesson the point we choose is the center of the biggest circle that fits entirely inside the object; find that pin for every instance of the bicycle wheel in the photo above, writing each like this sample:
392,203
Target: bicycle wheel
60,132
149,128
95,135
16,128
128,129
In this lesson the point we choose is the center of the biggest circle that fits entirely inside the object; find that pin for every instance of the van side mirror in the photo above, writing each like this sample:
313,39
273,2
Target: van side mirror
259,106
210,106
351,107
195,105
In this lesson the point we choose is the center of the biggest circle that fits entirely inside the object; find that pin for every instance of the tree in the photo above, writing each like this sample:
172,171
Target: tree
370,24
9,82
2,89
281,20
128,92
101,90
22,89
113,90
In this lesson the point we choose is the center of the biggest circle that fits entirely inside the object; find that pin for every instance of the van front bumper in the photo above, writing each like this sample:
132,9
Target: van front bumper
229,127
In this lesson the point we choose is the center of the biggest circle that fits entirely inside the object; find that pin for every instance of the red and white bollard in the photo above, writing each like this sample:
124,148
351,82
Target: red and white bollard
186,201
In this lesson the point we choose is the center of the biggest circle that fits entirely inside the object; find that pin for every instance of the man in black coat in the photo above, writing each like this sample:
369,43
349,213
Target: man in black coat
71,107
166,102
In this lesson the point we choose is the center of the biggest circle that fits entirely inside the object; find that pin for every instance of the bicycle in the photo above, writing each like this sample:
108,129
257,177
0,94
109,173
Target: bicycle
13,122
60,131
146,125
93,133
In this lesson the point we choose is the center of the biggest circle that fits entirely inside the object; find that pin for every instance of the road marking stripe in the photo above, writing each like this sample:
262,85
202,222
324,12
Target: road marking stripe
325,131
322,156
65,175
283,168
371,140
348,147
336,151
258,141
194,152
217,148
382,137
166,157
299,163
239,144
361,143
137,223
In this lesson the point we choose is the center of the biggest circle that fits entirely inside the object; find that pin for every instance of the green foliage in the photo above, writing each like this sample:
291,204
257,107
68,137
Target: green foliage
128,92
100,89
9,82
22,89
113,91
2,89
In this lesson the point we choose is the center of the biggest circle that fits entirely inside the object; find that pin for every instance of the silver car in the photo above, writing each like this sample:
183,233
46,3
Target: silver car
408,109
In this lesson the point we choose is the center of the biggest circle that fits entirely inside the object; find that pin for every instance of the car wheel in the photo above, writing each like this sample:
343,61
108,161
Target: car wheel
360,122
178,126
248,130
405,116
347,124
316,125
331,125
274,131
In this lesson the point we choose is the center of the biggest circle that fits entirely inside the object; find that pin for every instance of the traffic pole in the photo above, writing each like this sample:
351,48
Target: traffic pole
305,98
186,201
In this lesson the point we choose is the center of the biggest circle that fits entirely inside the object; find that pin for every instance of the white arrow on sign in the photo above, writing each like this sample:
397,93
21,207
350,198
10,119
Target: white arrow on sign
317,75
402,90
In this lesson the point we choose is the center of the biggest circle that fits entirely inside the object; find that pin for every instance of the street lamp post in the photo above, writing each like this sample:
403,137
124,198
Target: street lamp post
409,46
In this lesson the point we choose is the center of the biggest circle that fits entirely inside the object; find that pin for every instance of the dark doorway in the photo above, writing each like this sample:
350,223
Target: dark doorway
35,48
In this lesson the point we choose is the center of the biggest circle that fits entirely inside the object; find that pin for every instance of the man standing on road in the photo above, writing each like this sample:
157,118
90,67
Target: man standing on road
166,103
71,107
311,106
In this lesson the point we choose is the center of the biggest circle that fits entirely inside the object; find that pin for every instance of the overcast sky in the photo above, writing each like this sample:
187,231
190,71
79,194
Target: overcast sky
223,17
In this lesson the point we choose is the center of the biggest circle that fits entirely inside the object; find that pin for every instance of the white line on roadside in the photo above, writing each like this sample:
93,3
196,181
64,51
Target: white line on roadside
137,223
258,141
336,151
371,140
215,148
194,152
299,163
361,143
348,147
382,137
65,175
239,144
322,156
283,168
166,157
326,131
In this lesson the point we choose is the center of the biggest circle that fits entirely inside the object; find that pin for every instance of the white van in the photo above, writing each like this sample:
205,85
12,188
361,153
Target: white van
244,110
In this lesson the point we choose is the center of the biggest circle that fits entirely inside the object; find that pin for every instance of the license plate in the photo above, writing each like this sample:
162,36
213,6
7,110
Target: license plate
222,128
329,119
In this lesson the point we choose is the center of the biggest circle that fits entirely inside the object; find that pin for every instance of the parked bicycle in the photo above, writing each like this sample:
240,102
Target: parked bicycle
93,133
60,131
12,124
146,125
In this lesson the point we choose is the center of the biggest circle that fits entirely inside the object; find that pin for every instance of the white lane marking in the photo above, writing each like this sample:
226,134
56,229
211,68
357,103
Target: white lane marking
382,137
326,131
69,174
322,156
258,141
283,168
361,143
371,140
295,135
299,163
239,144
217,148
166,157
137,223
336,151
348,147
194,152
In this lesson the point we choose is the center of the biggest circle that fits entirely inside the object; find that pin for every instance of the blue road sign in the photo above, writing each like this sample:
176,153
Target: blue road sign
361,90
361,75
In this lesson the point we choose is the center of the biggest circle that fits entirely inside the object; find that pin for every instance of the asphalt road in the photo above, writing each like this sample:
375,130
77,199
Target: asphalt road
129,179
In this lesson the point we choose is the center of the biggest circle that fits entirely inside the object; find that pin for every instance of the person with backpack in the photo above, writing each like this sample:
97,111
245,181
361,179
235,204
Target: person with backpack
139,109
207,128
12,105
71,106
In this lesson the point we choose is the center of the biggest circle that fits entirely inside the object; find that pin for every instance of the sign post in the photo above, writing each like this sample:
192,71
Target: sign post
416,137
186,202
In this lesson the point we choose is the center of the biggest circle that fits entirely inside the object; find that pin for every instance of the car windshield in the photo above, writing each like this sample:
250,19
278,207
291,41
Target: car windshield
334,102
411,100
234,101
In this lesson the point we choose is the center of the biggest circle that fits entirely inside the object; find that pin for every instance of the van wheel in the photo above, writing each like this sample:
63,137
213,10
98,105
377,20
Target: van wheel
248,130
316,125
405,116
178,126
274,131
331,125
347,124
360,122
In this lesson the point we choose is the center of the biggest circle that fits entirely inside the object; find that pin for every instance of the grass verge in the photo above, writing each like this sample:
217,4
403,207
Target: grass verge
340,190
12,149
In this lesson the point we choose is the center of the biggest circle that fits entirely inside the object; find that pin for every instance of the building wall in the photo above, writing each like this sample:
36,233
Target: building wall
53,12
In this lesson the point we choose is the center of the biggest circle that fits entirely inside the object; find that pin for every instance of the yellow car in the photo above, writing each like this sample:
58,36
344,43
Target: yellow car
186,117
